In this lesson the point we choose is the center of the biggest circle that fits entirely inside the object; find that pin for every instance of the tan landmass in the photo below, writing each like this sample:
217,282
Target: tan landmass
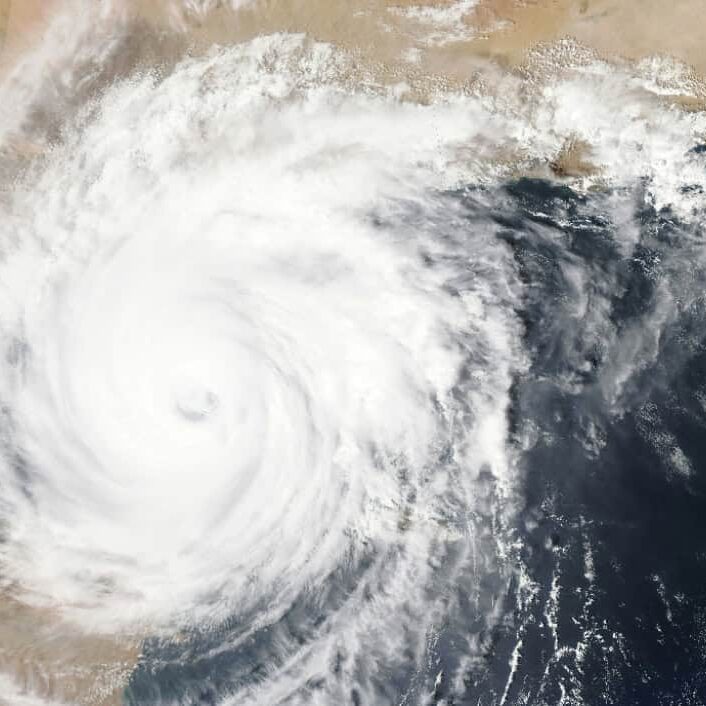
46,657
4,18
504,30
21,25
383,36
573,160
626,28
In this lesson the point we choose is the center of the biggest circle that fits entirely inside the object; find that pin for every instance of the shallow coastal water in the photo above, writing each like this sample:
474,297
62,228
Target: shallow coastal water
351,354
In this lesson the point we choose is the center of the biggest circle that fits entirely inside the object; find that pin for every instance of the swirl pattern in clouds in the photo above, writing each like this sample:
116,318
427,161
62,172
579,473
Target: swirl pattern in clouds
237,374
295,362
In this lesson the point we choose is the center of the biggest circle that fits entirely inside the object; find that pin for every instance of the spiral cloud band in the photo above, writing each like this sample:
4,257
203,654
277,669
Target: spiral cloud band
234,366
260,318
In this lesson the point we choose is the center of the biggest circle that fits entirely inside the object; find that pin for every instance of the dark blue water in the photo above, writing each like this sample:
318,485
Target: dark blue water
601,598
635,501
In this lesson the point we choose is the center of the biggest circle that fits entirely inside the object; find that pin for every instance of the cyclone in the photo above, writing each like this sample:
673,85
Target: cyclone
313,382
240,364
